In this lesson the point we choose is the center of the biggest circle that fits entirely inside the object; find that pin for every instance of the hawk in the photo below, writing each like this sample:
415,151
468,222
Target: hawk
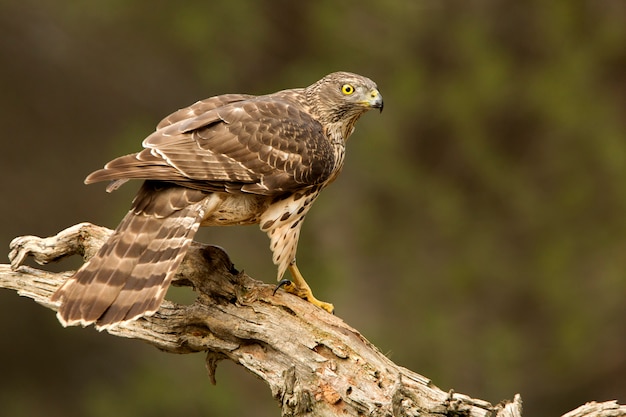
233,159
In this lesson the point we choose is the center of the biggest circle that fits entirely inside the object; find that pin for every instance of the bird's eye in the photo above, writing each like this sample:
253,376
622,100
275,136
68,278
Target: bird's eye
347,89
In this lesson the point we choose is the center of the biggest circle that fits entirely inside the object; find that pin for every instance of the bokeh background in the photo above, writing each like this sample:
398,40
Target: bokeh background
477,234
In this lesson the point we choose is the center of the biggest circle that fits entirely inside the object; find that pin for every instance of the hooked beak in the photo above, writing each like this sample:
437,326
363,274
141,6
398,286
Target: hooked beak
375,100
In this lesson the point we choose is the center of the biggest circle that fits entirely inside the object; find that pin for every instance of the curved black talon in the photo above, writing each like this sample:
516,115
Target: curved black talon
281,283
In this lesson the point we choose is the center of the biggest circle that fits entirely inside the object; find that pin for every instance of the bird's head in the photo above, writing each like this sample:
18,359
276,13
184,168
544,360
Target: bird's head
343,97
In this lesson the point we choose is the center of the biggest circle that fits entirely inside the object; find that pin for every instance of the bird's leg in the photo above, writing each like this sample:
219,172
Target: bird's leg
300,288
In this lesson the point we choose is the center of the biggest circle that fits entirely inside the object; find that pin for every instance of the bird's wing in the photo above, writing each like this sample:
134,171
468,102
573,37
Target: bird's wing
201,107
264,145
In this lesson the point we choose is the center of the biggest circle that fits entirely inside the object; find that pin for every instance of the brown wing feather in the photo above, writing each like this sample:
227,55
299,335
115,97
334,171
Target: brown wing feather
201,107
131,272
265,145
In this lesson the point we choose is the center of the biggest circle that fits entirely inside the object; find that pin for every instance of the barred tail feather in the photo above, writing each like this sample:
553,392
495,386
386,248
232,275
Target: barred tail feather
131,272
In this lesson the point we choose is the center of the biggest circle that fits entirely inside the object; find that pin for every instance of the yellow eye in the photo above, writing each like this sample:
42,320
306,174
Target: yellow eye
347,89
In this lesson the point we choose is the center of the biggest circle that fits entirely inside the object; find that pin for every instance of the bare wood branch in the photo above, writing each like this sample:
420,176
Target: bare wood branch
313,362
594,409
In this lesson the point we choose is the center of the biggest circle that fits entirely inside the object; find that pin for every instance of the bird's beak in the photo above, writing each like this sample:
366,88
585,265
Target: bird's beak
375,100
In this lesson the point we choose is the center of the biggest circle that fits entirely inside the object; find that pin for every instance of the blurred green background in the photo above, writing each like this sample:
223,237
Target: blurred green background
477,234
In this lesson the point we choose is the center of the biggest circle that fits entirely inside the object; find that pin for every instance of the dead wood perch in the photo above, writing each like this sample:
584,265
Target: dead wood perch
314,363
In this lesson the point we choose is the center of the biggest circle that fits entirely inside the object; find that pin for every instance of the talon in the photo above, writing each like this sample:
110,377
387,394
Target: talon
305,294
300,288
280,284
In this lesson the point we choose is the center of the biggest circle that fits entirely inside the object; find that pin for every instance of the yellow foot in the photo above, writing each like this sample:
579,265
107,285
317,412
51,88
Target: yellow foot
305,293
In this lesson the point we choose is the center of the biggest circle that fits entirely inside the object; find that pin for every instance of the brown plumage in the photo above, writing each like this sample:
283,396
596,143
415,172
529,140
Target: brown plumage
228,160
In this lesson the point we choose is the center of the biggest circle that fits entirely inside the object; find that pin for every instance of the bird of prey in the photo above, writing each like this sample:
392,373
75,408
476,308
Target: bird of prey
233,159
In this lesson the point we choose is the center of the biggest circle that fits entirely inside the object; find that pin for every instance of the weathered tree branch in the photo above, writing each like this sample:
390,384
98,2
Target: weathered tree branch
314,363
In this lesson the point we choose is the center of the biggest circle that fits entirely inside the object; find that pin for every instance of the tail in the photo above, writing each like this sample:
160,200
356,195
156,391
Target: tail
131,272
